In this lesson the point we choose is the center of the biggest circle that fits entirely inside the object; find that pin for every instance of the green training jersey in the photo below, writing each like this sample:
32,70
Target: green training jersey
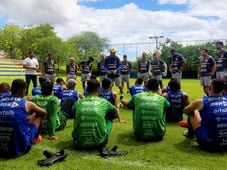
50,103
148,115
90,128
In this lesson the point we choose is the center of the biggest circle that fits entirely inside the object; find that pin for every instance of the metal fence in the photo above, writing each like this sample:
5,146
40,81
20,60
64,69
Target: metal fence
133,50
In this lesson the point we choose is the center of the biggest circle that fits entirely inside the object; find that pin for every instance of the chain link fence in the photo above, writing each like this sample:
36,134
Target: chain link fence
133,50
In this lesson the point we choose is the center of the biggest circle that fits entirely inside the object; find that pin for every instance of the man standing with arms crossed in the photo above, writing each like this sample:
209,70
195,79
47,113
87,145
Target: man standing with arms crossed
207,67
86,70
143,68
113,67
158,68
125,72
31,65
101,68
71,69
49,69
176,63
221,70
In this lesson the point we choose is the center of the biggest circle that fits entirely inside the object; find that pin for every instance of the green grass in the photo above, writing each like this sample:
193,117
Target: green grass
173,152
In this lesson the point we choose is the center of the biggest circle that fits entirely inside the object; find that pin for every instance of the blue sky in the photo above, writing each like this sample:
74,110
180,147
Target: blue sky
143,4
124,21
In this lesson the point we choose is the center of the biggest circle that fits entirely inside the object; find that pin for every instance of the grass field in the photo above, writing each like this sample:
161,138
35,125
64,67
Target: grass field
173,152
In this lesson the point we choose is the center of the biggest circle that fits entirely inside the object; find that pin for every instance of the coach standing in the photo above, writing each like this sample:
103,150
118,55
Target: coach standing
207,67
113,67
221,70
86,70
49,68
125,72
143,68
176,63
158,68
31,65
71,69
101,68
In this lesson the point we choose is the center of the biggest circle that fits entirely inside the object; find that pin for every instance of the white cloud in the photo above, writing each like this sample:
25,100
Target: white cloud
208,8
40,11
128,24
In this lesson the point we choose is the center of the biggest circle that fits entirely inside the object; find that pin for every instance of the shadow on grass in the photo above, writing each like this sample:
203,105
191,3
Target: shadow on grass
190,146
128,139
70,148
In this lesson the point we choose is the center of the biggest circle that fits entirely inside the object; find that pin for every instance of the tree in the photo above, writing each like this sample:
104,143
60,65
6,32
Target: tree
88,44
42,39
10,35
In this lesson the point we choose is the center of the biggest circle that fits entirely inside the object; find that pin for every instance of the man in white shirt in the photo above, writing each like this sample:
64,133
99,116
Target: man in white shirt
31,65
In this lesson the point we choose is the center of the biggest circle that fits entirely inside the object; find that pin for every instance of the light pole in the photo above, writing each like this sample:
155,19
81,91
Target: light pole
156,40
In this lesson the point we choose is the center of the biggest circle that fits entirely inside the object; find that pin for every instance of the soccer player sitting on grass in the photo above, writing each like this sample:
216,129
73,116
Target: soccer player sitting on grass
208,117
107,93
92,123
37,90
59,87
178,100
17,131
55,119
225,91
93,77
4,90
69,97
137,88
148,107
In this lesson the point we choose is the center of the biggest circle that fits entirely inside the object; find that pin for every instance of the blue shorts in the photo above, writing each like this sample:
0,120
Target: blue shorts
32,133
204,141
28,139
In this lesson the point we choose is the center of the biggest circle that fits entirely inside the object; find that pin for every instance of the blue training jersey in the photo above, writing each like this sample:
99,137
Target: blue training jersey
36,91
57,89
143,66
136,89
214,119
176,61
70,93
206,64
107,94
177,102
3,95
14,127
221,61
112,62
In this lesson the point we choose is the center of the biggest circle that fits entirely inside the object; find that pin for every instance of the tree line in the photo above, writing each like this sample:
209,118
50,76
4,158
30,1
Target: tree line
16,42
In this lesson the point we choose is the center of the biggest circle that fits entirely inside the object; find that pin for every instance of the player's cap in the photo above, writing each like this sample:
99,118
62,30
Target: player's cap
71,58
112,50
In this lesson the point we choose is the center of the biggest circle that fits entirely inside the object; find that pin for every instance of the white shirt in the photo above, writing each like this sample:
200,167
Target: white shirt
31,62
